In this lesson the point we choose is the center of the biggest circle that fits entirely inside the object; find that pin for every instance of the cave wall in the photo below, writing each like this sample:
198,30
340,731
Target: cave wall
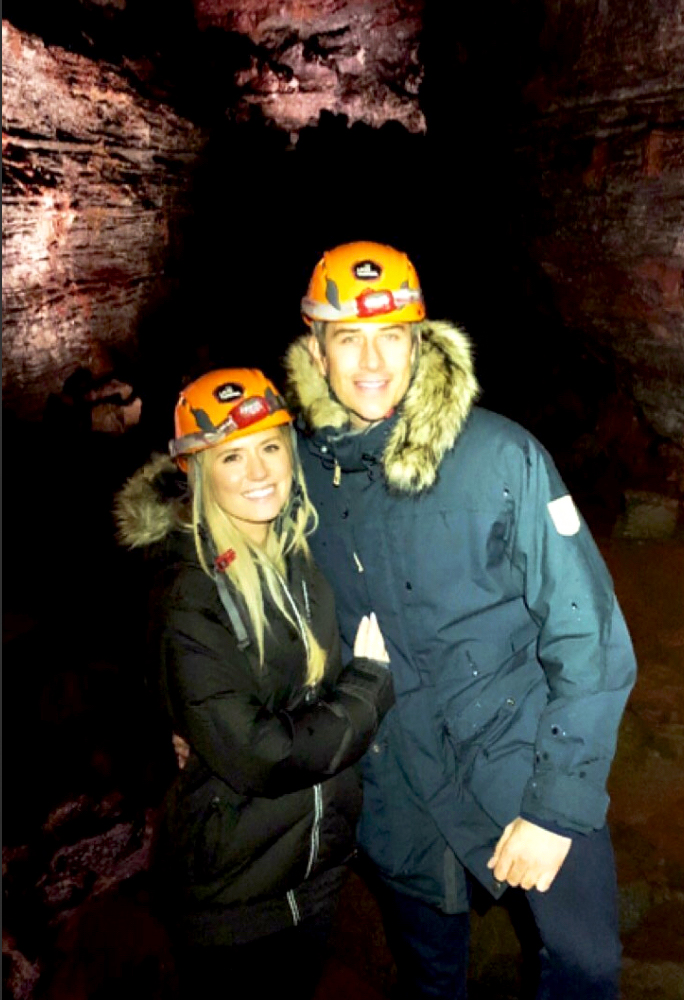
568,189
354,58
600,153
104,160
92,175
530,157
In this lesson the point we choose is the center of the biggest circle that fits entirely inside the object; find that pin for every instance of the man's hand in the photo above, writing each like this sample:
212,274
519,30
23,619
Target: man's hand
181,750
528,856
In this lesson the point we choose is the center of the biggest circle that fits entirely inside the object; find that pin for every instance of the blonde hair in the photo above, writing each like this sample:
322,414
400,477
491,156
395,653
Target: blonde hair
254,567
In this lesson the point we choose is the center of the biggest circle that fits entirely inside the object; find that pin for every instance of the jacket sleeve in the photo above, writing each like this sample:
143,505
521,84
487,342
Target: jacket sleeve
583,647
256,749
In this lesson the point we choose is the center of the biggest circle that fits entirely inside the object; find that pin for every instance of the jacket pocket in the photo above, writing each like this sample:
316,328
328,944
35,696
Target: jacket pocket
492,742
200,822
479,724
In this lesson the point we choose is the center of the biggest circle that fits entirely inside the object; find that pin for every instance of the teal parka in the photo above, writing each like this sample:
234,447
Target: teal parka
510,656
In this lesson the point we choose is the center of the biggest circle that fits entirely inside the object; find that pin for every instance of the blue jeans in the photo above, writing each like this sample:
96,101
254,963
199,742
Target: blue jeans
574,931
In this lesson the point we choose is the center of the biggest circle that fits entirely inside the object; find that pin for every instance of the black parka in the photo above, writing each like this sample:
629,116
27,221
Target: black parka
510,657
268,802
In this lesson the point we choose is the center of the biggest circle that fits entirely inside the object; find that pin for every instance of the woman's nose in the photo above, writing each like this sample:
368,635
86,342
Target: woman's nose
257,467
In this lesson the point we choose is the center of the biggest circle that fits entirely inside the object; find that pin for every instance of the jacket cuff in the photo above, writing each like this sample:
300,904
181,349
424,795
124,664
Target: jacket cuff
371,681
547,824
572,803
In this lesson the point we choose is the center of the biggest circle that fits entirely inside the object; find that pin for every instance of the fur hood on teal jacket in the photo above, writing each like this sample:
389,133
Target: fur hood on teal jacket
432,413
510,657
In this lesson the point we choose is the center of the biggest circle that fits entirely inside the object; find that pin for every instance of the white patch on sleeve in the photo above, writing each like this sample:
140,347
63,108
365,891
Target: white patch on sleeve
564,515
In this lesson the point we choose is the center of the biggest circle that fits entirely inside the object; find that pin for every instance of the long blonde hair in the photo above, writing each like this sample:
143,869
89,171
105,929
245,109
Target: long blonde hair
253,567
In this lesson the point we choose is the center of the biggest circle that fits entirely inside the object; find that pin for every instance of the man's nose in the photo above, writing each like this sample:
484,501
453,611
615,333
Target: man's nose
371,358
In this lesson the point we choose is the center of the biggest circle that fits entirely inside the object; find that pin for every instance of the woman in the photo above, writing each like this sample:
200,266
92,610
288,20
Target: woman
260,821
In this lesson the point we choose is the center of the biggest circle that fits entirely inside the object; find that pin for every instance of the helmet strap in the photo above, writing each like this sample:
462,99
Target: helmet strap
218,575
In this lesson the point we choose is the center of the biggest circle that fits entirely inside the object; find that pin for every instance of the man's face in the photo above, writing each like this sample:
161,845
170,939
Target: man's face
368,366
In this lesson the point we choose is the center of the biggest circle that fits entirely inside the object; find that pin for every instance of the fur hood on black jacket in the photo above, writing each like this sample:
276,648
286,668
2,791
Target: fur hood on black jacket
152,505
431,415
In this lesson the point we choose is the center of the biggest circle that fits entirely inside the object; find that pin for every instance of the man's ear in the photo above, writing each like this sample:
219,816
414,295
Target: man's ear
317,355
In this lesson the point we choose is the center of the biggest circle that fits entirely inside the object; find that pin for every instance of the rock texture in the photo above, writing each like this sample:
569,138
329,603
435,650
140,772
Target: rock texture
601,161
562,129
346,57
93,176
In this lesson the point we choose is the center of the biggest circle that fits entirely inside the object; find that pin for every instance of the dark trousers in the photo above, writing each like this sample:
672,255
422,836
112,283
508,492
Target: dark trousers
576,925
287,963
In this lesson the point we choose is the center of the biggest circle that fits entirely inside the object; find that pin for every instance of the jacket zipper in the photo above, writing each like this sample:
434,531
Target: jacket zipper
295,610
318,794
315,829
294,909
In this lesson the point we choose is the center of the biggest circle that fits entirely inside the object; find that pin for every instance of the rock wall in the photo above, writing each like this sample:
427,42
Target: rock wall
93,177
341,56
557,161
601,162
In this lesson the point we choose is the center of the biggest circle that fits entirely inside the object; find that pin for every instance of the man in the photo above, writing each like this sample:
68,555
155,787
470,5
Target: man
510,656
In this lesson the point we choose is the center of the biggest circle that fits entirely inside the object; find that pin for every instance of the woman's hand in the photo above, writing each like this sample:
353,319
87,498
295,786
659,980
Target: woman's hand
369,641
181,750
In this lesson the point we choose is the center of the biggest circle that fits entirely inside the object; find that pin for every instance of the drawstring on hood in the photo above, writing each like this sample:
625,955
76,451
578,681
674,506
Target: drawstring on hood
429,418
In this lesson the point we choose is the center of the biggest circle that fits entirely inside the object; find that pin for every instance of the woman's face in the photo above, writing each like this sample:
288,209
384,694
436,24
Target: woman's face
252,479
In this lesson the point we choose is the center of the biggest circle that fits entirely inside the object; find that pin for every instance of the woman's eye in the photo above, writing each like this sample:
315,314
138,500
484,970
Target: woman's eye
230,457
272,447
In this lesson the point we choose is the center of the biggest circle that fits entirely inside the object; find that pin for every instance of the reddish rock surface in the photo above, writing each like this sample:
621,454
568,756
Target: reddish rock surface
92,173
346,57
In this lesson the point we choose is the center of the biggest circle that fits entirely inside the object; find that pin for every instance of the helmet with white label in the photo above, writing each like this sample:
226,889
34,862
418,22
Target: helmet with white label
365,283
223,405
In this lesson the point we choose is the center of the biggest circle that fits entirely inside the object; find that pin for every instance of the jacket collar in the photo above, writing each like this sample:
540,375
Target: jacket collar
428,420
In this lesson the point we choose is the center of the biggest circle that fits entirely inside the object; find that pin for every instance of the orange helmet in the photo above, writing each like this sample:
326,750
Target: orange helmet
363,282
223,405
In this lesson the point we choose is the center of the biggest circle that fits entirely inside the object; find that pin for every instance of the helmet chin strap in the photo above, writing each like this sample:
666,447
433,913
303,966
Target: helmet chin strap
295,501
218,575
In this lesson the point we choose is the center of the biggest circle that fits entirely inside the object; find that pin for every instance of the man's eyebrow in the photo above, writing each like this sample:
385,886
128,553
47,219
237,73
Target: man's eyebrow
358,328
344,329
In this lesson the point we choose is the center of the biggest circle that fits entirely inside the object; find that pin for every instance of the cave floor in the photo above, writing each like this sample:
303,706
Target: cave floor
75,937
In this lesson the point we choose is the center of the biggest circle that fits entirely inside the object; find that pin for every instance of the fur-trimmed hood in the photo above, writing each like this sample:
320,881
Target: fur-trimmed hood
150,505
430,417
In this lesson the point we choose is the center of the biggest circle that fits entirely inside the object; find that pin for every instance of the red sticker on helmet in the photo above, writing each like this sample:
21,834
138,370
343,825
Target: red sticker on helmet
229,391
367,270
